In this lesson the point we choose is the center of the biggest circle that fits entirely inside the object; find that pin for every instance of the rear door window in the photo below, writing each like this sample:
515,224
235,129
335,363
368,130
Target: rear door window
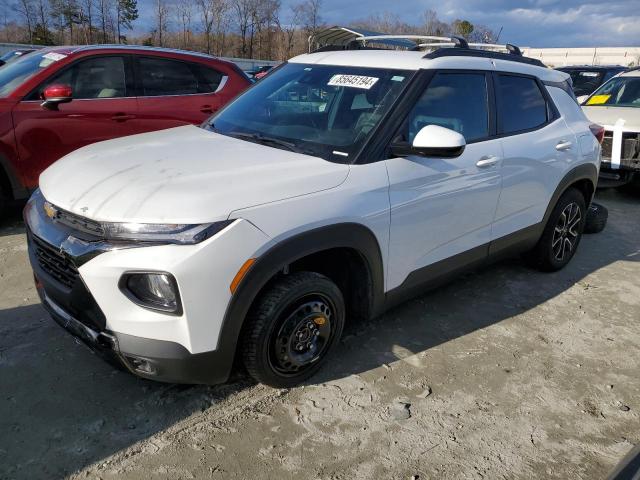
164,77
521,104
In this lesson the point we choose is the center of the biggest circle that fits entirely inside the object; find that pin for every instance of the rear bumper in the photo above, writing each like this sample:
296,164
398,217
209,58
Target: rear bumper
147,358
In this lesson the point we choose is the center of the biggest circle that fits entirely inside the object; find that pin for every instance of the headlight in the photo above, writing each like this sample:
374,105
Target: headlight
165,233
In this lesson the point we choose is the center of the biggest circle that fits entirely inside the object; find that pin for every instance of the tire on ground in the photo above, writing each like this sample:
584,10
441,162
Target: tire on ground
542,256
270,312
597,216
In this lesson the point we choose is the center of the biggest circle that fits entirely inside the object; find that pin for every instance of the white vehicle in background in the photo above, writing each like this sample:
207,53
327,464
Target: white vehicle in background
616,106
337,186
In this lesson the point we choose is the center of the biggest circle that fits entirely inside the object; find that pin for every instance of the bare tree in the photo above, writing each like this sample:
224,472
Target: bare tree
26,9
289,30
162,20
310,15
244,10
86,15
212,13
183,13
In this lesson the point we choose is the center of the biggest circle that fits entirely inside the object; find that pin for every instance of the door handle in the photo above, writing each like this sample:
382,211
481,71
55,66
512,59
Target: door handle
487,161
122,117
563,145
207,109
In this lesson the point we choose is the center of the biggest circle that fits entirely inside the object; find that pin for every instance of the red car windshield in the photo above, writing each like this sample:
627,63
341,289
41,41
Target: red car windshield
15,73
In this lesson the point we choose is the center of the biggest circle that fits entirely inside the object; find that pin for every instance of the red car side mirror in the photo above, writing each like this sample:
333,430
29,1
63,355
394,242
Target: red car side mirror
54,95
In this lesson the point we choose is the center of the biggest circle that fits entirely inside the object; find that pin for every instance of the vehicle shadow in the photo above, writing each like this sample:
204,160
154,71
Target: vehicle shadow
62,408
11,220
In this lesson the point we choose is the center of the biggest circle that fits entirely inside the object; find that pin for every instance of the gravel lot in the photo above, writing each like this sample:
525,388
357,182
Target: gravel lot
506,373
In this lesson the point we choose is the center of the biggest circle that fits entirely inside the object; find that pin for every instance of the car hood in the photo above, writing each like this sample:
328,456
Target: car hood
181,175
609,116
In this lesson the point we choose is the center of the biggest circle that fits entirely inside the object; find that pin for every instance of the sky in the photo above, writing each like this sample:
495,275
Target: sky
527,23
531,23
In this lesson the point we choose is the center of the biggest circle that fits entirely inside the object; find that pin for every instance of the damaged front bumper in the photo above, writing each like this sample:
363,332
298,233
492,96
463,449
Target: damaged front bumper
620,165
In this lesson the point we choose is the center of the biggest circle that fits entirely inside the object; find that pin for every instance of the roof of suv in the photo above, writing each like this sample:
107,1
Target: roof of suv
71,49
415,60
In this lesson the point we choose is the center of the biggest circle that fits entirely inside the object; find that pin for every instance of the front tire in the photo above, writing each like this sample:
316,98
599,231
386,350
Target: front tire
292,328
562,234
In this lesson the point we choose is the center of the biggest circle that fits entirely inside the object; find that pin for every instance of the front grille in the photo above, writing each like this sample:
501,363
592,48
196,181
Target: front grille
56,264
630,145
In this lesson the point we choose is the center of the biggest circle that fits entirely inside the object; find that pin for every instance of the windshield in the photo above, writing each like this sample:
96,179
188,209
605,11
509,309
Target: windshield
585,81
15,73
322,110
617,92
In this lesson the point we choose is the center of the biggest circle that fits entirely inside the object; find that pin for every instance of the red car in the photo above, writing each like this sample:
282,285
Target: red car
58,99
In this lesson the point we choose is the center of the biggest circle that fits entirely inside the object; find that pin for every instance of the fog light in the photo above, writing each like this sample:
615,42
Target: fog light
141,365
154,290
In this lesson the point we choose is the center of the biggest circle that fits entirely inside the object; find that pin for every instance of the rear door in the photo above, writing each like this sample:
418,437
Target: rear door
176,92
443,207
538,149
102,108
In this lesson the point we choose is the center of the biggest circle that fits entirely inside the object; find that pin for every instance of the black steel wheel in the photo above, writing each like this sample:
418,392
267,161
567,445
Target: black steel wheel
292,328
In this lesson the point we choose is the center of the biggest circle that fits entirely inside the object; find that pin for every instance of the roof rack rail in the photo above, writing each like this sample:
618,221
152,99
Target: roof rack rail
461,47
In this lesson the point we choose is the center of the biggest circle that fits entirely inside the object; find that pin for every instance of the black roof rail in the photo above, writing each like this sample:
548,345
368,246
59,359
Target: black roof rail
472,52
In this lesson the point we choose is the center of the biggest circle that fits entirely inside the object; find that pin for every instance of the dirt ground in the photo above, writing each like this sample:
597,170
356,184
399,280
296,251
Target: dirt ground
506,373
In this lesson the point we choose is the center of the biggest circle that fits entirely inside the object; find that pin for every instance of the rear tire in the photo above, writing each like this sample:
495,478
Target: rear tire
562,234
292,328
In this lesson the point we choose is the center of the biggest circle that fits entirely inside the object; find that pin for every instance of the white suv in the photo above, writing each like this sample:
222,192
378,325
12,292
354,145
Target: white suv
337,186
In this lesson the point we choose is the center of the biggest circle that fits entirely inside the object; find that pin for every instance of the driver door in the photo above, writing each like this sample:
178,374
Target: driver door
101,109
444,207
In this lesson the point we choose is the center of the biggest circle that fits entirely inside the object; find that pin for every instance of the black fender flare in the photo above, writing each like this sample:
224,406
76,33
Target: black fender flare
343,235
585,171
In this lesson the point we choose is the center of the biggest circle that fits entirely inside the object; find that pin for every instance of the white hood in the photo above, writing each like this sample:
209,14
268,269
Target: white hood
609,116
181,175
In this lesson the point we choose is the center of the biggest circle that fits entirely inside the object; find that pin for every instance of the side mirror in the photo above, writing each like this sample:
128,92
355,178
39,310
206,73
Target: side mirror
432,141
582,98
54,95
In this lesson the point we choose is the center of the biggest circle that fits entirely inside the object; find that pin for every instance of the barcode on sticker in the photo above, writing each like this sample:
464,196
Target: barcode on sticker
355,81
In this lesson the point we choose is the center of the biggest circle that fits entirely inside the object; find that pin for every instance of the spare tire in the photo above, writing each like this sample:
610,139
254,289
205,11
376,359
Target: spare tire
596,218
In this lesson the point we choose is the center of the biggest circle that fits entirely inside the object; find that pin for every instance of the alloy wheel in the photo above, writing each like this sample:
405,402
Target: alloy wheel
567,232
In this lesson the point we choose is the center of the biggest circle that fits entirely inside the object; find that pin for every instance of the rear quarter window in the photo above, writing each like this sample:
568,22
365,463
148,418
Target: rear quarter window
521,104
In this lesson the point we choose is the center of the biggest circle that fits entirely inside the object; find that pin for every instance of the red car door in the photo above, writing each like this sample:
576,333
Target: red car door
175,92
102,108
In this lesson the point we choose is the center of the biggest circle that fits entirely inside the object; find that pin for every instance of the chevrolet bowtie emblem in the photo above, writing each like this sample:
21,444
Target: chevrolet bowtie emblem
50,210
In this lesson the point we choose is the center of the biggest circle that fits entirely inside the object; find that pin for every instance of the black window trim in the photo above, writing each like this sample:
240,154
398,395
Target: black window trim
378,146
139,88
552,112
34,95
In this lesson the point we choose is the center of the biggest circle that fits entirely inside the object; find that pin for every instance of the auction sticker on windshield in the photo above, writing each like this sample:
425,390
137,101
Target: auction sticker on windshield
355,81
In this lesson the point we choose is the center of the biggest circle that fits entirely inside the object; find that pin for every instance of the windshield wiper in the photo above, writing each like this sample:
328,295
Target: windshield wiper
259,138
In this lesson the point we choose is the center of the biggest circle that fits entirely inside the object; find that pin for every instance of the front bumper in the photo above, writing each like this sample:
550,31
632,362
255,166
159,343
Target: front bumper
153,359
77,280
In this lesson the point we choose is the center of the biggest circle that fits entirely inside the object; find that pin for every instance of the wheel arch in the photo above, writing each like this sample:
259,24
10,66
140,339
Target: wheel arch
584,177
296,252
